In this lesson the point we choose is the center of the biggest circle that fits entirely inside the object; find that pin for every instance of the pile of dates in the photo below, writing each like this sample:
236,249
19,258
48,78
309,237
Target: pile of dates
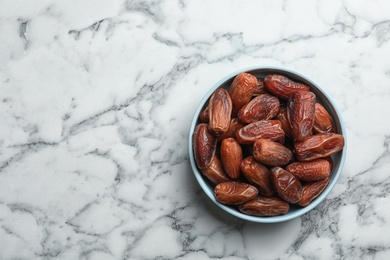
265,144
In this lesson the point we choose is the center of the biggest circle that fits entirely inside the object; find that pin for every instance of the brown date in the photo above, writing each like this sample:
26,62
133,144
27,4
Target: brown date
268,129
204,145
233,127
318,146
231,156
310,171
329,159
265,206
204,115
257,175
234,193
300,113
259,89
312,190
323,122
282,117
282,86
287,186
241,90
276,122
262,107
271,153
215,172
220,110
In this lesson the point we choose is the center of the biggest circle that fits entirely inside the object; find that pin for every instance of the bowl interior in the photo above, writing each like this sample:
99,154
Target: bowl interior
338,158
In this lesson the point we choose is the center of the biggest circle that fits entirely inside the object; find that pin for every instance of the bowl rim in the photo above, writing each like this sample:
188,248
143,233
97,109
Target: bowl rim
289,215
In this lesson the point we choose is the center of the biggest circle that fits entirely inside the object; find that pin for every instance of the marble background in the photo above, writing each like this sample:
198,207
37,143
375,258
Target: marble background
96,100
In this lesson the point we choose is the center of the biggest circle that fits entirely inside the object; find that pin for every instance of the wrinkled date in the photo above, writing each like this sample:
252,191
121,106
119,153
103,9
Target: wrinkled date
300,113
242,89
204,115
271,153
323,122
265,206
233,127
318,146
248,132
267,129
259,89
282,86
204,144
285,124
231,156
215,172
310,171
258,175
220,110
312,190
262,107
286,185
234,193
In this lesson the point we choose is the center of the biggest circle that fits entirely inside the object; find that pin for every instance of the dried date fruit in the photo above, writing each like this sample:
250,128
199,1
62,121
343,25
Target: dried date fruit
204,144
276,122
262,107
241,90
215,172
312,190
234,193
285,124
318,146
220,110
271,153
323,122
204,115
257,175
268,129
287,186
300,114
310,171
231,156
282,86
234,125
265,206
259,89
329,159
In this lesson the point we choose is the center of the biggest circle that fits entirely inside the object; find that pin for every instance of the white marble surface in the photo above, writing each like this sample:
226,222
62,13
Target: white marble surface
96,99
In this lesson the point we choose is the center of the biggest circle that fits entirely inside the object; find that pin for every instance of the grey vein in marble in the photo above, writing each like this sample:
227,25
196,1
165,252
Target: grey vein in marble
96,102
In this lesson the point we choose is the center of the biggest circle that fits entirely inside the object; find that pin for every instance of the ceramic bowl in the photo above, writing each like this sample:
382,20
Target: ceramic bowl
322,97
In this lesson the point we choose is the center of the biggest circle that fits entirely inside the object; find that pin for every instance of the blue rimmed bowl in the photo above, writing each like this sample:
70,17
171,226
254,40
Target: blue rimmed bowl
322,97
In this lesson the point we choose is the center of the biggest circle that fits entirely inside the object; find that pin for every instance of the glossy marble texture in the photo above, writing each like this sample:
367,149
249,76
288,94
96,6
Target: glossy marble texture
96,101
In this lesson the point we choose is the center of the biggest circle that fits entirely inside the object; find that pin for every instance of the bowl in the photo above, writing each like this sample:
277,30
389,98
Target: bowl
322,97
